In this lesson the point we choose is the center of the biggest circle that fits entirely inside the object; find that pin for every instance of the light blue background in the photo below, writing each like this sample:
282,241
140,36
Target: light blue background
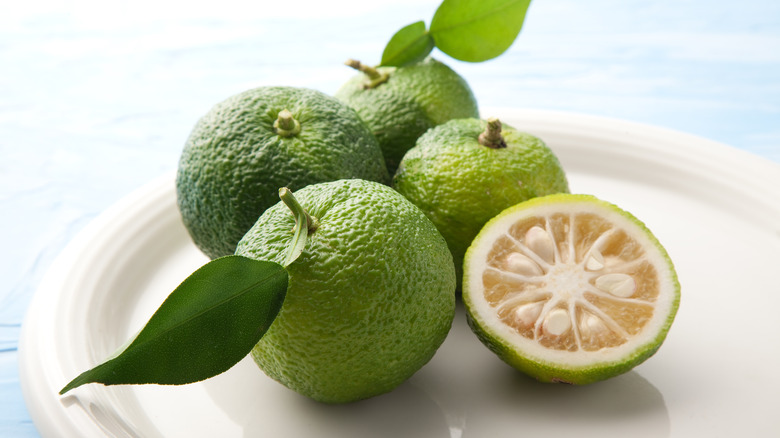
98,96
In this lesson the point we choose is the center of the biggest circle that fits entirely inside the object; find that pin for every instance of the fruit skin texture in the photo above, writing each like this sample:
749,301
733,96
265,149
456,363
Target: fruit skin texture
234,163
370,299
414,99
546,371
460,184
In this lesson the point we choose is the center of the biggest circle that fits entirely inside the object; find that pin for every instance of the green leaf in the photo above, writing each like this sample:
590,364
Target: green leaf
205,326
409,45
477,30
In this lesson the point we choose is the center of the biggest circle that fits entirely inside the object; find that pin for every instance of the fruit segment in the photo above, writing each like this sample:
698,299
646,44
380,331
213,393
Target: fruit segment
571,282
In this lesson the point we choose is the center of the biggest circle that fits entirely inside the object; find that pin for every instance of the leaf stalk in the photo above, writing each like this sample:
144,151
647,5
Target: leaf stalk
375,77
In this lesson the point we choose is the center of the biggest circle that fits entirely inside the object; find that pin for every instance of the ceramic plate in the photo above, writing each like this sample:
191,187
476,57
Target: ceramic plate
716,210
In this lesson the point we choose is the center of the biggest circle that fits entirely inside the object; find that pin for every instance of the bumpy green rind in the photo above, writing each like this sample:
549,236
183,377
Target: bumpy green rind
370,299
234,163
460,184
414,99
546,371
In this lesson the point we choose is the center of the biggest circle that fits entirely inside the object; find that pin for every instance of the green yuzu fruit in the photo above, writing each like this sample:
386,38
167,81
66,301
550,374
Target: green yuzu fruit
245,148
400,103
465,171
370,298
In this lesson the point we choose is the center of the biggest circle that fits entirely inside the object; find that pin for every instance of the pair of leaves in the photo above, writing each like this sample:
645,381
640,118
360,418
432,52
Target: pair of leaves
467,30
209,322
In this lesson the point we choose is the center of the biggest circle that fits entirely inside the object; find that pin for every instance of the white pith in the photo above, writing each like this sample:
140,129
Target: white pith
565,282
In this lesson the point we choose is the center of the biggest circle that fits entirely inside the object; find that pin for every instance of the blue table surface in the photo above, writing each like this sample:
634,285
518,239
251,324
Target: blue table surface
97,97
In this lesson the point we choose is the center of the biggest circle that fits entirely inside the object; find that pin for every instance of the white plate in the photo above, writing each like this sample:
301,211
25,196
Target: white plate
716,210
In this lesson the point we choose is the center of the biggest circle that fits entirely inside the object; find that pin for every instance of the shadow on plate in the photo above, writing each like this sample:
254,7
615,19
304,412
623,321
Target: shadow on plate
627,405
465,391
263,407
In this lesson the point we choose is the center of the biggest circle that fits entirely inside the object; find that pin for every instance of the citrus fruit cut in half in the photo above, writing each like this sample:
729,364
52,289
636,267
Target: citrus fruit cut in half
569,288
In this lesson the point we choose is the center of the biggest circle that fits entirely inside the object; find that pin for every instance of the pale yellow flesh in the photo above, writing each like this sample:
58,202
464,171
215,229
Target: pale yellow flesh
571,282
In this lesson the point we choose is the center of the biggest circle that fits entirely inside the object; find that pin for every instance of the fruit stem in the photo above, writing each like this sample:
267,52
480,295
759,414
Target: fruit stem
375,77
312,223
286,125
492,137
